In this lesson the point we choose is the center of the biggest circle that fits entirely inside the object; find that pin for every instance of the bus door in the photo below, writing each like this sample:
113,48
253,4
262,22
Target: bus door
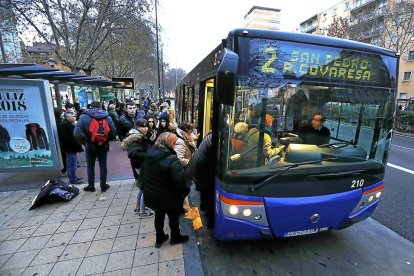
208,106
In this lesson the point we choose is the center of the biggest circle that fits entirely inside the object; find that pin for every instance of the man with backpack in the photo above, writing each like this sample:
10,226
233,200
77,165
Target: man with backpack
94,130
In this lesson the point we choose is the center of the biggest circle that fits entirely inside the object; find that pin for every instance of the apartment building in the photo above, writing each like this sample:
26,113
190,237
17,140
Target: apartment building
366,24
262,18
319,23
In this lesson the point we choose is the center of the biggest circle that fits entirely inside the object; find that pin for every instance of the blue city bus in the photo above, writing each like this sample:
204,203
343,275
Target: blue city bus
270,84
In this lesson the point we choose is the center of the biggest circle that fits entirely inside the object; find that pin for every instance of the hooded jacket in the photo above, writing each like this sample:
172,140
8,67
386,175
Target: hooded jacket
137,145
36,136
81,132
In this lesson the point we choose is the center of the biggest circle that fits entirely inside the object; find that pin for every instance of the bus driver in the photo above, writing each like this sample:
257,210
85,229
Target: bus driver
315,133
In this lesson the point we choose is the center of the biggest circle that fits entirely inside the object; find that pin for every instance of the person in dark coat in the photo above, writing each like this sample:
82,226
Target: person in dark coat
163,183
163,123
315,133
126,120
69,145
201,169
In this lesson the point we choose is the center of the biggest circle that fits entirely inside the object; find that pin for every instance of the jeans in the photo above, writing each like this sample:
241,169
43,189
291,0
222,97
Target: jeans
91,156
173,221
140,200
71,166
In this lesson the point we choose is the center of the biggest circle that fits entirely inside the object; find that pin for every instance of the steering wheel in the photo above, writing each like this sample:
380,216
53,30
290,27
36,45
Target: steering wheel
337,145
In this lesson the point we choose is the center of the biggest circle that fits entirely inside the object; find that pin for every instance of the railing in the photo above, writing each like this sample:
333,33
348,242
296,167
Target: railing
358,4
308,28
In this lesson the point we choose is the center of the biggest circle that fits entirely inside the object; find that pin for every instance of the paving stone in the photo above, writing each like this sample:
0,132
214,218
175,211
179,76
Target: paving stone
84,206
60,239
126,187
23,232
145,256
116,210
125,243
84,236
106,232
130,208
13,272
10,247
35,221
119,202
120,260
46,229
101,204
147,270
170,252
146,240
48,255
21,214
66,267
121,272
34,243
38,270
90,223
172,268
65,208
130,218
4,258
93,265
100,247
69,226
128,229
97,213
19,260
77,215
13,223
4,234
111,220
75,251
147,226
123,194
55,218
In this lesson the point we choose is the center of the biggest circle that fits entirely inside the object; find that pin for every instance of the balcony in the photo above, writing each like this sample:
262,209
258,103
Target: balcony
368,16
359,4
309,29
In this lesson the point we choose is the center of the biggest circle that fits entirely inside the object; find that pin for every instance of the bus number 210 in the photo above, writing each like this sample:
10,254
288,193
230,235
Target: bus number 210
357,183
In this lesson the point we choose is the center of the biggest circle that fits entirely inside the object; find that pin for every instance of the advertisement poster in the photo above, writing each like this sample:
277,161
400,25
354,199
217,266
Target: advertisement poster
106,94
27,125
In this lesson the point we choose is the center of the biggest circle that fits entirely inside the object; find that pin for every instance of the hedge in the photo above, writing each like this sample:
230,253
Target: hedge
404,122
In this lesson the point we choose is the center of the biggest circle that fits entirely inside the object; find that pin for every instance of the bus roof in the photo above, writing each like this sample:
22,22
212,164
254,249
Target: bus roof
312,39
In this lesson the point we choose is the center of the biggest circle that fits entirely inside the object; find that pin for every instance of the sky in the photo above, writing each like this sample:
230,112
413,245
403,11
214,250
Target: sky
191,29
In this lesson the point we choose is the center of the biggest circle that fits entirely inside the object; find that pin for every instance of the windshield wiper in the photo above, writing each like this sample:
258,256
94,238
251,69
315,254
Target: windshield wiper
253,188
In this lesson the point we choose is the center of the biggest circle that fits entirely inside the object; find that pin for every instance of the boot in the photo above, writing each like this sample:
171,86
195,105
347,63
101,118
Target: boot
179,239
160,240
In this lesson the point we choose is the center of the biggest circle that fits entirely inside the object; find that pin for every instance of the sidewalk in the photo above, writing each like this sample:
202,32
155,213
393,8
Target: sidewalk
93,234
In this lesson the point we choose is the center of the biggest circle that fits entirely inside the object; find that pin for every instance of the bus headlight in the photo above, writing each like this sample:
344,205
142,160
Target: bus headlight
233,210
247,212
369,196
377,195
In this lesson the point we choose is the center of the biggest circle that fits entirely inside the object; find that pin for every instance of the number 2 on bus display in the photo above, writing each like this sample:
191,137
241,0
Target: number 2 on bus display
266,67
357,183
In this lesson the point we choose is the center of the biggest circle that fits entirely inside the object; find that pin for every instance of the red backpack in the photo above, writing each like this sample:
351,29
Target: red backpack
99,131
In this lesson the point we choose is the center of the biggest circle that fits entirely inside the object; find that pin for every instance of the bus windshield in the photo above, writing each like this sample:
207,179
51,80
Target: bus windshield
293,122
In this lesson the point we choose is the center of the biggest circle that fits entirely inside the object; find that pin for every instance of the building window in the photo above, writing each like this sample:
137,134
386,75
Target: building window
407,76
334,12
403,96
346,6
324,17
411,55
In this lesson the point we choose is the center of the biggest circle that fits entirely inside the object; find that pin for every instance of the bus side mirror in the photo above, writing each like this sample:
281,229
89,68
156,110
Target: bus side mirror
226,77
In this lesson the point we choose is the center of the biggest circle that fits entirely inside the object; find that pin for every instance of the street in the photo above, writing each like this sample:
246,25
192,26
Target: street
357,250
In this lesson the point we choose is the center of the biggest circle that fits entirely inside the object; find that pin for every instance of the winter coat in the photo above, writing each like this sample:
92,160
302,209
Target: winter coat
82,134
67,140
126,123
163,180
184,148
201,166
38,139
136,144
163,116
115,118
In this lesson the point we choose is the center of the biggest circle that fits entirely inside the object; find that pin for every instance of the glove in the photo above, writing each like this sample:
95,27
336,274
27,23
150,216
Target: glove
235,157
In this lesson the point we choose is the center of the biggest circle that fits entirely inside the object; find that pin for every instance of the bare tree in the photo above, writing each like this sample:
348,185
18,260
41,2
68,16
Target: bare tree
80,29
388,26
172,77
339,28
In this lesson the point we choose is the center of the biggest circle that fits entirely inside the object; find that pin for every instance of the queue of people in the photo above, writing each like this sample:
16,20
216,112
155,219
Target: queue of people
159,152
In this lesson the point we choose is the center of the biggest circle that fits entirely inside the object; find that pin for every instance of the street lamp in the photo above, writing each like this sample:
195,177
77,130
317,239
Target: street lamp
158,51
51,62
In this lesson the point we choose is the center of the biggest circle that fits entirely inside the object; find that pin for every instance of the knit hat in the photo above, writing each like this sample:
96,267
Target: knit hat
241,127
163,116
141,122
